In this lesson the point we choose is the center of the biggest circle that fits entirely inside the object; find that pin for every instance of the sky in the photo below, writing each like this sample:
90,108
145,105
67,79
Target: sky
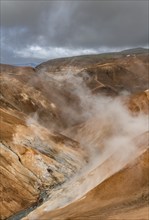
35,31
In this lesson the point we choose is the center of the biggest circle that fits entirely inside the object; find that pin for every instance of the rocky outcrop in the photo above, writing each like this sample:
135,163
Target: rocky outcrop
19,186
139,102
32,162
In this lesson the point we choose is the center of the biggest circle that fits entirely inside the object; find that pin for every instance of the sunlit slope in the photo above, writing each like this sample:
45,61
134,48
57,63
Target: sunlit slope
32,161
72,134
125,195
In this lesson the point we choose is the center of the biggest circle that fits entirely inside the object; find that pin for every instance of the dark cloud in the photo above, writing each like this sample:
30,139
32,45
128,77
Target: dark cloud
71,25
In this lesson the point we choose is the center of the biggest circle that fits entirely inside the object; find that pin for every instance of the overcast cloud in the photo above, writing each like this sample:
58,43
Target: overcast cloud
33,31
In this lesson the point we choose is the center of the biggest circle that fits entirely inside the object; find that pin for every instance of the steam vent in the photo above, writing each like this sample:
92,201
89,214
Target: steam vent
74,110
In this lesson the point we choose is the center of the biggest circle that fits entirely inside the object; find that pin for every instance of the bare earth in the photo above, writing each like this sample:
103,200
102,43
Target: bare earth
75,140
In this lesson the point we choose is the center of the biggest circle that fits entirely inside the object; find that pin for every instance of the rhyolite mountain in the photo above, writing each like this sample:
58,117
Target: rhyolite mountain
74,144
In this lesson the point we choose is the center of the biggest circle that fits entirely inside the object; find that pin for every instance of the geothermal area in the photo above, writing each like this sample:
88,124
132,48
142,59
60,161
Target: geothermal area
75,138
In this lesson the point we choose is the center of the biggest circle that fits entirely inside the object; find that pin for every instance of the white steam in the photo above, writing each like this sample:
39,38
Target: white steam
107,133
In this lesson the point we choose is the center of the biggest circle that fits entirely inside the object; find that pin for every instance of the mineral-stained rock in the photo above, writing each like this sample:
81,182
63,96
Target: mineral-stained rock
51,134
32,160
